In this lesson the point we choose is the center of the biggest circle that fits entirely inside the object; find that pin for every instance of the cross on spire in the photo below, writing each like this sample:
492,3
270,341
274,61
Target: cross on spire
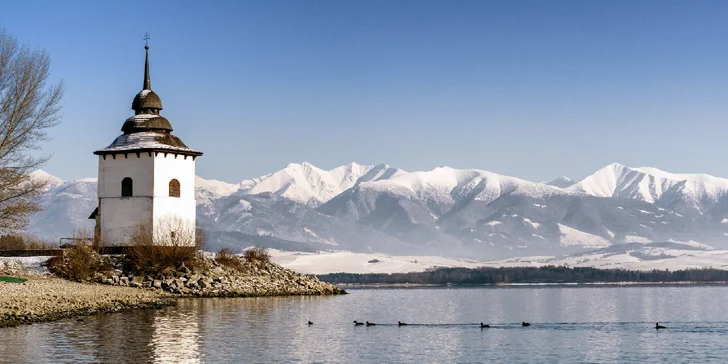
146,40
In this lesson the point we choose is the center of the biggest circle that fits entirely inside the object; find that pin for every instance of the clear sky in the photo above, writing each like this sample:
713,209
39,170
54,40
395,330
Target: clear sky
532,89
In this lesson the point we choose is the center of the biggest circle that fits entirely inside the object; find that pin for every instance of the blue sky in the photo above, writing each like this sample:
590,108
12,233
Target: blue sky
532,89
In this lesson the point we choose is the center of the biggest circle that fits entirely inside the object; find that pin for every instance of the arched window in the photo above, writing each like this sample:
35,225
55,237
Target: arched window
174,188
127,186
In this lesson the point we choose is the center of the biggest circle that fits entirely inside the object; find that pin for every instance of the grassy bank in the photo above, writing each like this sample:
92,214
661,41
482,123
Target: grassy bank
12,279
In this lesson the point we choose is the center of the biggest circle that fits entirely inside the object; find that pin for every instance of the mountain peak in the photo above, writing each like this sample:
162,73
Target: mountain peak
561,182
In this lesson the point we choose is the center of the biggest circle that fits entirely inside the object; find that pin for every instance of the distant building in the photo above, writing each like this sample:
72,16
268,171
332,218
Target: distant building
146,175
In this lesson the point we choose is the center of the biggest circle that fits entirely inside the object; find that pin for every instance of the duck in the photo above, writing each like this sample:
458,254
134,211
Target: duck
358,323
370,323
658,326
310,323
524,324
484,326
401,323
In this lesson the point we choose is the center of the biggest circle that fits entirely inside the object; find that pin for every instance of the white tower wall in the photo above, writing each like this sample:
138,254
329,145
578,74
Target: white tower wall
150,201
121,215
177,210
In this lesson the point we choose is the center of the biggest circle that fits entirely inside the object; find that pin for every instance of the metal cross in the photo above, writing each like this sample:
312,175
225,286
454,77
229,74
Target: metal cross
146,39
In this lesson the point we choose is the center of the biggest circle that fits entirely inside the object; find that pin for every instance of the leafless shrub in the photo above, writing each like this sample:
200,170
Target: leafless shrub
80,263
24,242
12,242
227,258
169,243
257,254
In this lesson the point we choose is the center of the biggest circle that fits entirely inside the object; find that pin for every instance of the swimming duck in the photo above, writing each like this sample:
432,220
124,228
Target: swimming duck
658,326
370,323
401,323
524,323
484,326
358,323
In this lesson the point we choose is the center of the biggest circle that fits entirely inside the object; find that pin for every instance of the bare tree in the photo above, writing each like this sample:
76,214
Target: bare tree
29,106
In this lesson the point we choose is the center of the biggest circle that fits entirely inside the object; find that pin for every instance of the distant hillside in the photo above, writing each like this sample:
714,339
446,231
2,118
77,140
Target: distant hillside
445,211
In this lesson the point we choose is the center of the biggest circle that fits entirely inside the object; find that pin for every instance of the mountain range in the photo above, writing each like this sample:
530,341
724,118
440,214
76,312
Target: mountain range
449,212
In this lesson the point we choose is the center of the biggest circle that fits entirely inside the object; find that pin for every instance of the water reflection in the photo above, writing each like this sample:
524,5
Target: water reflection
570,324
176,336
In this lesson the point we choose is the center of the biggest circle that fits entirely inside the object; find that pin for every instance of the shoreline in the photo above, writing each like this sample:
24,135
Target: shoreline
506,285
45,299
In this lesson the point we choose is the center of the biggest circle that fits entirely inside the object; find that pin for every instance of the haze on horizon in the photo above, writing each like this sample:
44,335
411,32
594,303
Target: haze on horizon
526,89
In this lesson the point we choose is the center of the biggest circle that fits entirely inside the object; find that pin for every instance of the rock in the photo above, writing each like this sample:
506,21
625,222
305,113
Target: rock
138,280
157,284
124,281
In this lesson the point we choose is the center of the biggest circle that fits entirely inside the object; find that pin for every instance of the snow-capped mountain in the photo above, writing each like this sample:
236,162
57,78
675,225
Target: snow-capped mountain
693,194
445,211
561,182
306,183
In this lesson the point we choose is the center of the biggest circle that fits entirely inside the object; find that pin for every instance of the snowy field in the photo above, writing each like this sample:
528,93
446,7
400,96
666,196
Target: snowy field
349,262
643,259
646,258
658,258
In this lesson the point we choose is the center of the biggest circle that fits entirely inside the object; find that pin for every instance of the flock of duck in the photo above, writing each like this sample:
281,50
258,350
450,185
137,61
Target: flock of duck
482,325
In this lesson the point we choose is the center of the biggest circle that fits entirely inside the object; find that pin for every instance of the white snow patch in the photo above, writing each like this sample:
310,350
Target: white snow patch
573,237
318,238
636,239
28,265
534,224
349,262
493,223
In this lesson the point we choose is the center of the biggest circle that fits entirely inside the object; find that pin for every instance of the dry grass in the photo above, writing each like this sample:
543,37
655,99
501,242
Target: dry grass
20,242
226,257
257,254
169,244
80,263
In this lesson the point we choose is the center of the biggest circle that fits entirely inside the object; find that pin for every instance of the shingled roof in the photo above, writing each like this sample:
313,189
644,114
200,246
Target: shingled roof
146,130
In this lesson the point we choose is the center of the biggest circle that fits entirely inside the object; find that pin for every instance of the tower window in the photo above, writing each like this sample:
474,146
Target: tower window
174,188
127,186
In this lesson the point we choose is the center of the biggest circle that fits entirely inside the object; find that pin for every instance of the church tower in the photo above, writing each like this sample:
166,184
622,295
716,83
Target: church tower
146,176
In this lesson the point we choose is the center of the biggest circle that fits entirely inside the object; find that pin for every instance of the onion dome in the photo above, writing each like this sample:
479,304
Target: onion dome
146,130
146,106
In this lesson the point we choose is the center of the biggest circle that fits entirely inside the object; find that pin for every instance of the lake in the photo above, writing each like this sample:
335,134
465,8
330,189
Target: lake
569,324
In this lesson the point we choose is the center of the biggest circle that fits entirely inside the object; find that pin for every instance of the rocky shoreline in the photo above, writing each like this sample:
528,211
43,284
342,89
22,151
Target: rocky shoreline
115,289
42,299
208,278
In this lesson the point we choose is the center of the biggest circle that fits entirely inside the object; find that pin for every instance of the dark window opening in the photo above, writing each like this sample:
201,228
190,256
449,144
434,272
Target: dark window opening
174,188
127,186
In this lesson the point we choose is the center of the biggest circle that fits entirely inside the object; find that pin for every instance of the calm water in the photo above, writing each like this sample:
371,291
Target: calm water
570,324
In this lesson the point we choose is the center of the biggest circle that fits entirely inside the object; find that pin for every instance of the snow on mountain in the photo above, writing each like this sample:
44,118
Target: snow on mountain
66,206
306,183
444,211
561,182
654,186
50,180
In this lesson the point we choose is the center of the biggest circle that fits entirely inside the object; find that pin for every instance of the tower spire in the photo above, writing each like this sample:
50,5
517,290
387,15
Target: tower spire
147,79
